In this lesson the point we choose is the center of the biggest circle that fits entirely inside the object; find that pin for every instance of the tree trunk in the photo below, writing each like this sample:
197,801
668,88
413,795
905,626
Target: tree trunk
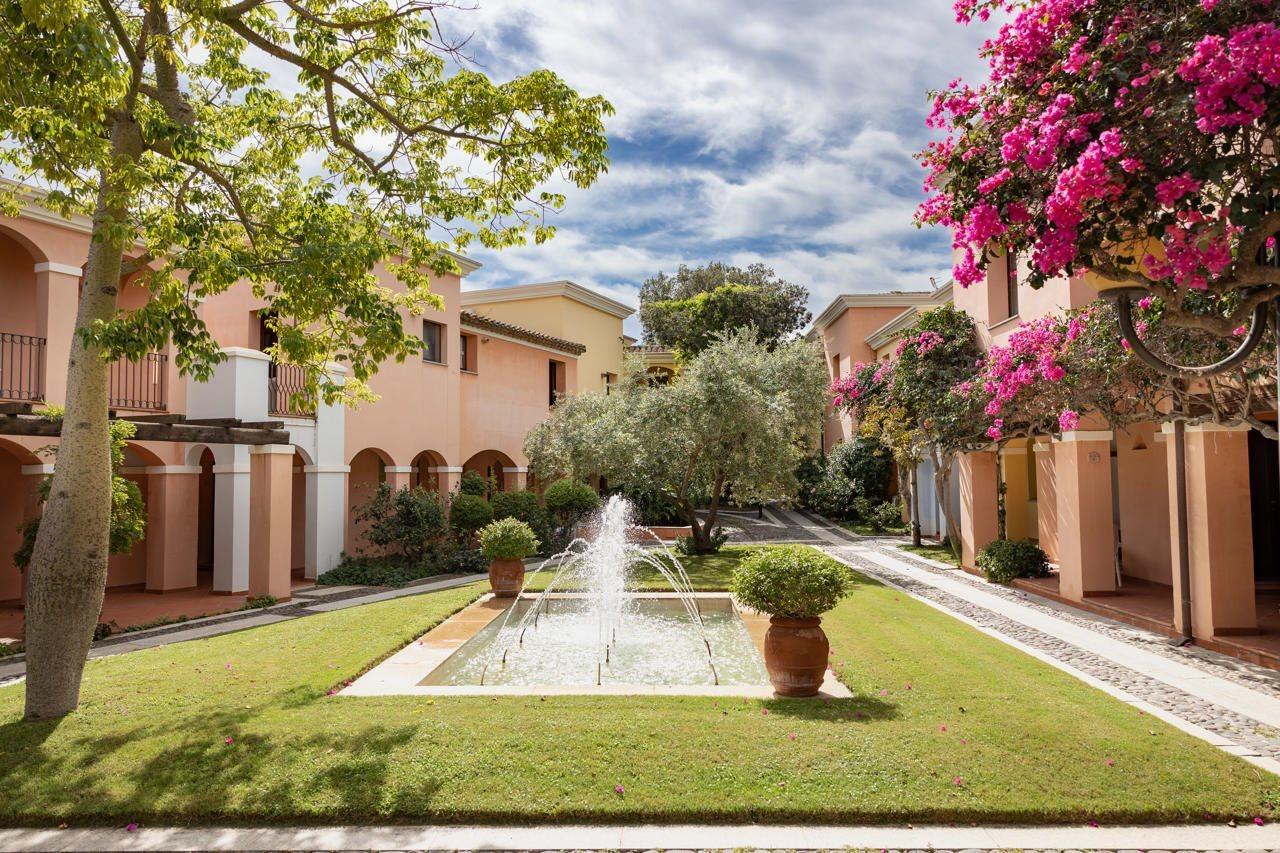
68,573
913,505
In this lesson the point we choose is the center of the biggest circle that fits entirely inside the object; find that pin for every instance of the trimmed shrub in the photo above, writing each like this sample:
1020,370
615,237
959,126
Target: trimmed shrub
886,516
791,581
405,521
508,539
466,561
525,506
569,500
1006,559
473,483
377,571
468,513
688,548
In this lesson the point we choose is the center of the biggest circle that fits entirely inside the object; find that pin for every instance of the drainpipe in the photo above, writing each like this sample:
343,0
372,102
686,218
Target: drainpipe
1184,548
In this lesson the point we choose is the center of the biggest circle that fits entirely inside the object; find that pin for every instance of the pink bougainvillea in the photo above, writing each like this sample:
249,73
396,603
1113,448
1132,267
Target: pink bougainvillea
1126,138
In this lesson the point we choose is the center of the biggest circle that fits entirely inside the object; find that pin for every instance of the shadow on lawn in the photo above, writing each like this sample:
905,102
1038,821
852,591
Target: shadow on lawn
856,709
210,766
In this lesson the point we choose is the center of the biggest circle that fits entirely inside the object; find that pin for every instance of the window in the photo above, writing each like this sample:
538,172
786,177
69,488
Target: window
555,381
1011,281
835,366
609,380
467,353
432,342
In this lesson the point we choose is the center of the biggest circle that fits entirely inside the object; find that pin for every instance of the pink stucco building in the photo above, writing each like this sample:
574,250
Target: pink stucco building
1101,502
236,519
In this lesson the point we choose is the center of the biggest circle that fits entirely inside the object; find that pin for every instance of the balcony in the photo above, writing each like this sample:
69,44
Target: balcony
139,385
21,367
285,383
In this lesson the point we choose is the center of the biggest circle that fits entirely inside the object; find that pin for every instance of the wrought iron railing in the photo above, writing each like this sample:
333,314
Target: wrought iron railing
21,367
286,384
139,384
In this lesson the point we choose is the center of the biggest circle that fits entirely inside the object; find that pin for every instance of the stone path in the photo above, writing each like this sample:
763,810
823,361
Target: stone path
668,838
305,602
1188,692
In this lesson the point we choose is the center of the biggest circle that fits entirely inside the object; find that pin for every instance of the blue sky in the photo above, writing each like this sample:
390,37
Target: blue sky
772,131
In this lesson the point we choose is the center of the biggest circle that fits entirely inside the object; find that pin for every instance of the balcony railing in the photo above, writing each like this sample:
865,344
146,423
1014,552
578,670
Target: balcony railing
285,382
141,384
21,367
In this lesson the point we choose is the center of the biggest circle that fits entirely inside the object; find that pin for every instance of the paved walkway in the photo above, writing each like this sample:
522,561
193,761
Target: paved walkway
1234,708
305,602
669,838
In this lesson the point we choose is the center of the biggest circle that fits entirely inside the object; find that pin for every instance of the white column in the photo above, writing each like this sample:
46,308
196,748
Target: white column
326,516
231,521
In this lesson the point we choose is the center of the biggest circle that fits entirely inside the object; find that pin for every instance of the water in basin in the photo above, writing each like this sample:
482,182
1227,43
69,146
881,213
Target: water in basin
653,642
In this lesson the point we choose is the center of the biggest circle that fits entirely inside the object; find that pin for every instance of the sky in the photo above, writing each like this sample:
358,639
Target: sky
779,132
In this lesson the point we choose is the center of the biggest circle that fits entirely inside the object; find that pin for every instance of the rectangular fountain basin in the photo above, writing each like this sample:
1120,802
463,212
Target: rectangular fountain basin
560,656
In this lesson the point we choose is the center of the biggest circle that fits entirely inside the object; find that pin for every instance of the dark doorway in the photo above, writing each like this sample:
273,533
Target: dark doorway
204,515
1264,498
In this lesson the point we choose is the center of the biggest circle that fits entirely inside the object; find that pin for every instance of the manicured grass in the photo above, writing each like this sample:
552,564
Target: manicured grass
867,530
941,553
707,572
948,724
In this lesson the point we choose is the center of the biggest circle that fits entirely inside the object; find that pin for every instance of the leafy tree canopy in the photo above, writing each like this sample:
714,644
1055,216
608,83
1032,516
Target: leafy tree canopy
736,420
686,311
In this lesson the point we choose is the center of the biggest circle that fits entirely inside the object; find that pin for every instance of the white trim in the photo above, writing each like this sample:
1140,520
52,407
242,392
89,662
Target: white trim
31,470
1086,435
271,450
486,333
399,469
245,352
519,469
1041,446
564,287
172,469
445,469
902,299
237,468
893,329
1218,427
64,269
326,469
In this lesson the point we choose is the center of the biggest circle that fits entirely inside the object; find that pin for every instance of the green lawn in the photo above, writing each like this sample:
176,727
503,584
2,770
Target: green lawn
948,724
941,553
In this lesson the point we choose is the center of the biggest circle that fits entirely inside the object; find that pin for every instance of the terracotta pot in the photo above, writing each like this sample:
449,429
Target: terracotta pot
506,577
795,653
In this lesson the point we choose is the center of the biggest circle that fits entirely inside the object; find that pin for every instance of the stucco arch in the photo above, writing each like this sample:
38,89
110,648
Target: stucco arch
32,247
493,465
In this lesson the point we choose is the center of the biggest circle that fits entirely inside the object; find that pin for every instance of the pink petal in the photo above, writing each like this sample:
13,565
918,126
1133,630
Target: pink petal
791,736
1257,821
229,740
942,728
619,790
133,827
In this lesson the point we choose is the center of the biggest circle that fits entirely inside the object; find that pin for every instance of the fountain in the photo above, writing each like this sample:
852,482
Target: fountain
587,627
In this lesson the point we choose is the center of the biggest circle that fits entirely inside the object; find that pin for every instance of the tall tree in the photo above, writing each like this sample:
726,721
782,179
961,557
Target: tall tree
182,128
1132,139
737,419
686,311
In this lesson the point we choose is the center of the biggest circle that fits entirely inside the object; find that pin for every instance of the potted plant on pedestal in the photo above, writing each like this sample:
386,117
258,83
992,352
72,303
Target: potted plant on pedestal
795,585
506,543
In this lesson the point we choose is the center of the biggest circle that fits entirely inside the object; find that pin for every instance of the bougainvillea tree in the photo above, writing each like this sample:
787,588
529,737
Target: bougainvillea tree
908,404
1134,139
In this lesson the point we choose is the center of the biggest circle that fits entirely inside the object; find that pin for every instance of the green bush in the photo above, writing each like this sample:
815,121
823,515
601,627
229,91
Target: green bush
569,500
652,507
1006,559
887,516
508,539
466,561
688,548
474,483
404,521
791,581
378,571
468,513
853,480
525,506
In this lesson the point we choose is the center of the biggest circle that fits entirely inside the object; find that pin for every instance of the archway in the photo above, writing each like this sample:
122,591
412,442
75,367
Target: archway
368,470
204,518
496,467
300,523
424,477
130,569
19,501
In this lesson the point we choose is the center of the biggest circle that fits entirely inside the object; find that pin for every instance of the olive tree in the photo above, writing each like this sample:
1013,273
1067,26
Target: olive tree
287,146
736,421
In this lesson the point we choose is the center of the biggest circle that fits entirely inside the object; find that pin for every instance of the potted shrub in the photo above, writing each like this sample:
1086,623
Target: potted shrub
1004,560
506,542
795,585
